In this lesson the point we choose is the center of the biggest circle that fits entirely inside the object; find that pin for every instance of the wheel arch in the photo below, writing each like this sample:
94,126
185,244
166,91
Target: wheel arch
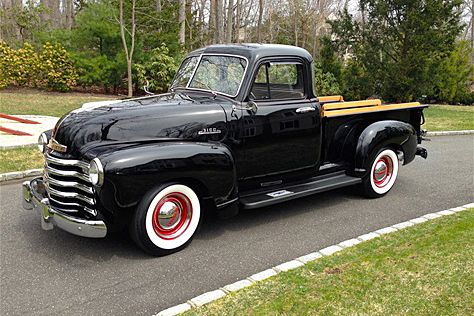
397,135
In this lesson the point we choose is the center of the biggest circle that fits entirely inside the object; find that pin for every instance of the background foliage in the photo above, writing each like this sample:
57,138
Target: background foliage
394,49
50,70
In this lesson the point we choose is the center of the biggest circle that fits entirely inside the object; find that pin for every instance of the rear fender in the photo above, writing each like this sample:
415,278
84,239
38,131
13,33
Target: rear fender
395,134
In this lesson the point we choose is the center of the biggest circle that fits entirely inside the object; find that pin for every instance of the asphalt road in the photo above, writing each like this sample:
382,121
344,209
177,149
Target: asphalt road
55,273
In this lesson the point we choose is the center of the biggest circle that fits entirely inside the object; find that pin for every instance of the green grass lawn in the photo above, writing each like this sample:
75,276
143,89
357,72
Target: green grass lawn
20,159
427,269
449,118
42,103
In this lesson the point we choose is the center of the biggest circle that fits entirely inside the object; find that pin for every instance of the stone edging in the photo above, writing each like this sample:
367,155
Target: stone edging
4,147
20,174
466,132
217,294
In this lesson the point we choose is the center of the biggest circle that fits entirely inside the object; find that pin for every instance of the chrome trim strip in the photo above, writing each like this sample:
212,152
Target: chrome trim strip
68,162
211,54
69,184
51,217
194,71
71,195
65,173
227,203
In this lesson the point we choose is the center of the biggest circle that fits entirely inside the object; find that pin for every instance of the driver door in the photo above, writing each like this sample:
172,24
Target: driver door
282,137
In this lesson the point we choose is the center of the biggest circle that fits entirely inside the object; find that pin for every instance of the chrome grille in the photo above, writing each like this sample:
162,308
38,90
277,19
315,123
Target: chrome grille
68,185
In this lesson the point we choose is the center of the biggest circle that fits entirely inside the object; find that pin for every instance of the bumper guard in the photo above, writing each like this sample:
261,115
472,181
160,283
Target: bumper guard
34,197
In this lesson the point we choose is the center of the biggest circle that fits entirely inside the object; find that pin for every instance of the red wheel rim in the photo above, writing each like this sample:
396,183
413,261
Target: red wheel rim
383,171
172,215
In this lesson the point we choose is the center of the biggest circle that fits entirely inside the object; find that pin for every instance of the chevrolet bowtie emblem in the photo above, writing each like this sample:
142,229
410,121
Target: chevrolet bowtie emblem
54,145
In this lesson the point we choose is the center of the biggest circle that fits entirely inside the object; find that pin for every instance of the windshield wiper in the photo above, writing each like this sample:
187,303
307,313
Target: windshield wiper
207,87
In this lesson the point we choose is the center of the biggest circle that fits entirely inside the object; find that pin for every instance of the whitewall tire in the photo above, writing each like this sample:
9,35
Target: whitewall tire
166,219
382,175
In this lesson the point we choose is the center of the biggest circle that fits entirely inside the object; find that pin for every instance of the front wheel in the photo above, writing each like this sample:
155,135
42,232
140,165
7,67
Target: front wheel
382,176
166,219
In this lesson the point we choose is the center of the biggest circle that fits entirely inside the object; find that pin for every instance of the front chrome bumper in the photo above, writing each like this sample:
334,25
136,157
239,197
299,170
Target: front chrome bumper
34,197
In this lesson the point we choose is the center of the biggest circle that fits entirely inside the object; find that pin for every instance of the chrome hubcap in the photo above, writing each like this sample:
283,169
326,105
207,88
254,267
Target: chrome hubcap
172,215
169,215
380,171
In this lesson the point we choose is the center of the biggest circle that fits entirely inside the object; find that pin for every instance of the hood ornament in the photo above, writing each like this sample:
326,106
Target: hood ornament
54,145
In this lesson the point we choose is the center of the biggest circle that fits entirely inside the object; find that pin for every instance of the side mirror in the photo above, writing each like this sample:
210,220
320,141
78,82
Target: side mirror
252,107
146,87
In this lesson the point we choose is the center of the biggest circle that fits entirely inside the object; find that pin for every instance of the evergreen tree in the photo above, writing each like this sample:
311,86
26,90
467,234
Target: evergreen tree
397,41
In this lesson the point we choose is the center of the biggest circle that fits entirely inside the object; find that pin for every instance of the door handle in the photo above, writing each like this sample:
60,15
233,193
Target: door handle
305,109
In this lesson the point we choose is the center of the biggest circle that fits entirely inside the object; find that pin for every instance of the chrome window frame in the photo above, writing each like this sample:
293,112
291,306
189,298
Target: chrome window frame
225,94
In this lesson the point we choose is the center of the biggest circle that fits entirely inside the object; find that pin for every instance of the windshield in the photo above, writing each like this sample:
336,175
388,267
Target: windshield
217,73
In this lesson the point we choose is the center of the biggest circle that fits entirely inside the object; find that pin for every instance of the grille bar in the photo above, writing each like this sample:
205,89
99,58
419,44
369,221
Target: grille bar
70,204
68,162
69,184
71,195
65,173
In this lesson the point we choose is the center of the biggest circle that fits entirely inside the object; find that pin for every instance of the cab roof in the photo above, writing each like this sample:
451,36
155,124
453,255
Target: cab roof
254,51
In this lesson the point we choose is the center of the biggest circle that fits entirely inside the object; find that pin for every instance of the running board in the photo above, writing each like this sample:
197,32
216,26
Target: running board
314,185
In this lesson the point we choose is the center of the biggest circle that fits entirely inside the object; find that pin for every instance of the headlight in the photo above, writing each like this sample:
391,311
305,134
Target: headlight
96,172
42,142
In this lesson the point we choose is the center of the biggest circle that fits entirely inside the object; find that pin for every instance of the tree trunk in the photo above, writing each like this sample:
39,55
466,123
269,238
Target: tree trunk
295,23
237,22
230,15
128,55
212,22
260,15
182,21
472,32
218,19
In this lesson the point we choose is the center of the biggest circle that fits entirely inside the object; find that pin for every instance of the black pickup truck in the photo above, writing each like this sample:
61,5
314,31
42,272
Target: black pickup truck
241,127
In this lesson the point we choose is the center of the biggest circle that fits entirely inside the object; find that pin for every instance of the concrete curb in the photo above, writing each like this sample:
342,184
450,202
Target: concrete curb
20,174
4,147
300,261
450,133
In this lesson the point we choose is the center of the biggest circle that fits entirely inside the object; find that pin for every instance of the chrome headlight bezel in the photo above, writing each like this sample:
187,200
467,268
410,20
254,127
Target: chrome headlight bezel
96,172
42,142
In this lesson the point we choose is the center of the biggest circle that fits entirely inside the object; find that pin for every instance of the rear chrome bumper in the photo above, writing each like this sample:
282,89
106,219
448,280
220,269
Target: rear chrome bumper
34,197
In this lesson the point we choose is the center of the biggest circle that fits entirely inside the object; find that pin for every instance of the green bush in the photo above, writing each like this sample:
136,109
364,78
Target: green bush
50,70
324,82
159,70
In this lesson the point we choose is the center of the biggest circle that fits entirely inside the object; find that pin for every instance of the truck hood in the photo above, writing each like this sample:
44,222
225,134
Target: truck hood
161,117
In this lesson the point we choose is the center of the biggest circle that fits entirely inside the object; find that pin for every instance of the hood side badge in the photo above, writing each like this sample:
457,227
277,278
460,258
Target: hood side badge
209,131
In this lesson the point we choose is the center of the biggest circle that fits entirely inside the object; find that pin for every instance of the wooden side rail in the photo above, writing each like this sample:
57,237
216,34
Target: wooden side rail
331,98
369,107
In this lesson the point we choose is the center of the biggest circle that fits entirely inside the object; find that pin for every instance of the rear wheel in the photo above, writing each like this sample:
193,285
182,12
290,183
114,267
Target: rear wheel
382,175
166,219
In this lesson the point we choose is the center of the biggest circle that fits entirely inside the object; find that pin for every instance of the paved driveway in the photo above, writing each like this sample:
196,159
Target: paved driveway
57,273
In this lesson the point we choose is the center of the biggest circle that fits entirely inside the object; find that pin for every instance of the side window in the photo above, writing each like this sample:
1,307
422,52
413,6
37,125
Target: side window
278,81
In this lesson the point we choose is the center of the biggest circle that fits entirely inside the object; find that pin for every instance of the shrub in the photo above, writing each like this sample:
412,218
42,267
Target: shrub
159,70
50,70
325,83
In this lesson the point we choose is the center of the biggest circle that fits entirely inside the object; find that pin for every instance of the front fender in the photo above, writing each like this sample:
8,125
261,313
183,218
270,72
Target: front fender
396,134
132,171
